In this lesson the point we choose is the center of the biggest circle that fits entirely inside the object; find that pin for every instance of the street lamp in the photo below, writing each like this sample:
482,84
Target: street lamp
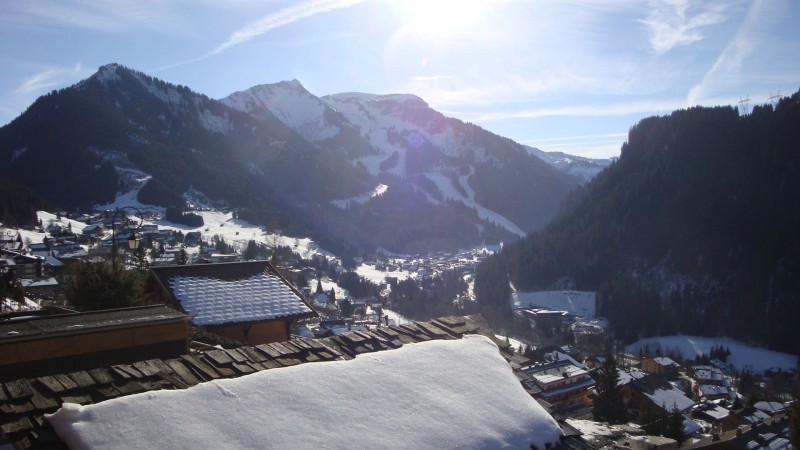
133,243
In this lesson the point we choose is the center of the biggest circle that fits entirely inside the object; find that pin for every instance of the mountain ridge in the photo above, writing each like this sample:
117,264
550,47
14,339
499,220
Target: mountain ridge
692,230
439,192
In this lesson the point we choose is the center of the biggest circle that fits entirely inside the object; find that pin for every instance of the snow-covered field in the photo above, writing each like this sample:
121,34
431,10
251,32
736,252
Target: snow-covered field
579,303
742,356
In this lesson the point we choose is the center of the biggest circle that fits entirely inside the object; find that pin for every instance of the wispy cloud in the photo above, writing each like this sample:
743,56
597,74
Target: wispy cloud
727,69
680,22
109,15
48,78
594,110
279,19
582,137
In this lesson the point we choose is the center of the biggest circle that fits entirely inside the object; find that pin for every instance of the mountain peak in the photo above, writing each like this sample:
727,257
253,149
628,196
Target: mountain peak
107,73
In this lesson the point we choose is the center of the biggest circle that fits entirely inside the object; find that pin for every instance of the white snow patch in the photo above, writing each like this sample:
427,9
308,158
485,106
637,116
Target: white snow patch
214,123
742,356
449,191
438,394
369,272
19,152
379,190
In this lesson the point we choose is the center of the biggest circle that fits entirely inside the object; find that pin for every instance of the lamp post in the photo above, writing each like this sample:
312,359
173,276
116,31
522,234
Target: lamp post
133,243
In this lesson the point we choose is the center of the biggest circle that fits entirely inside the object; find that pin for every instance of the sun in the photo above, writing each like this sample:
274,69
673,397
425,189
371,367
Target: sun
442,18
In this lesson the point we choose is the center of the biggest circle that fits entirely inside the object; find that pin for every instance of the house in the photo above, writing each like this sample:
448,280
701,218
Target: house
716,414
25,266
714,392
35,345
40,287
444,383
250,301
653,391
192,239
705,374
660,365
564,385
94,231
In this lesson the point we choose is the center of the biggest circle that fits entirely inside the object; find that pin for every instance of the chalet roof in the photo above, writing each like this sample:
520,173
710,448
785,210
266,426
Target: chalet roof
226,293
31,327
24,402
662,393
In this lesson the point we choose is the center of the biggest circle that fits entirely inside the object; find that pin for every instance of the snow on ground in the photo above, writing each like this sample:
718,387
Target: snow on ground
742,356
593,430
447,189
361,199
579,303
369,272
393,399
396,317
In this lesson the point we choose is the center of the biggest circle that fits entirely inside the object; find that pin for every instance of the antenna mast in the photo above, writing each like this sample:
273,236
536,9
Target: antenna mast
743,102
774,98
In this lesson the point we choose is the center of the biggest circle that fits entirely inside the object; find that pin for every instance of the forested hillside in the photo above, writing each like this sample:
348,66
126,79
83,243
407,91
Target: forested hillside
18,205
693,230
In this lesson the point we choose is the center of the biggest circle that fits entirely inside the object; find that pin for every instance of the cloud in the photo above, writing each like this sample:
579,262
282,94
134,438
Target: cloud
727,69
279,19
596,110
40,82
676,22
109,15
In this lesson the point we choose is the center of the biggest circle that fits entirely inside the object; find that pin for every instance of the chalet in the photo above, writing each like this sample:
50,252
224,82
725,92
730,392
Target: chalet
8,241
250,301
565,386
25,266
383,407
660,365
705,374
40,288
714,392
717,415
36,345
192,238
653,391
93,230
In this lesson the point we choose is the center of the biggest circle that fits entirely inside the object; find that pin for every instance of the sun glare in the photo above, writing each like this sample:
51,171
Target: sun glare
442,18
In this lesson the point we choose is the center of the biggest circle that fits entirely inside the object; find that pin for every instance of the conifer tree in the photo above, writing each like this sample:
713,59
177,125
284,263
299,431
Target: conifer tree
794,422
608,405
674,426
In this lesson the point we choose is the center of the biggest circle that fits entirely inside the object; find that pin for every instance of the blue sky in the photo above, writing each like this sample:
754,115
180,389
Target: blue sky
559,74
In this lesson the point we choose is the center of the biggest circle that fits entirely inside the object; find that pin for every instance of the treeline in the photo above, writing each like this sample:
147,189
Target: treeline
692,230
18,205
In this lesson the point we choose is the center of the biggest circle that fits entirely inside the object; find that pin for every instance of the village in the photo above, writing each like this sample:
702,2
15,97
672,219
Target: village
212,313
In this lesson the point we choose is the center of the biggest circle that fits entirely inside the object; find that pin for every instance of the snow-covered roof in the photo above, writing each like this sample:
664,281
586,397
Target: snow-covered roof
770,407
664,361
670,399
626,377
716,412
211,301
579,303
436,394
710,390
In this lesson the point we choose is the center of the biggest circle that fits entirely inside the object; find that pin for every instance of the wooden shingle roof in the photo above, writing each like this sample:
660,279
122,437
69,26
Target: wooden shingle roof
24,402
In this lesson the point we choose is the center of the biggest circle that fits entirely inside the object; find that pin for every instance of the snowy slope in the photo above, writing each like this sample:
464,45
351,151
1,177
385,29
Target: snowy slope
291,103
742,356
438,394
582,167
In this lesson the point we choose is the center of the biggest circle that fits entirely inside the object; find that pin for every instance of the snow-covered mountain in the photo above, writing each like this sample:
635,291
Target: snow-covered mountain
399,139
359,171
579,166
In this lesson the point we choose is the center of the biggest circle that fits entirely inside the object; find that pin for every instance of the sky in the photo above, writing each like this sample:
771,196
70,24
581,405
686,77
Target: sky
564,75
